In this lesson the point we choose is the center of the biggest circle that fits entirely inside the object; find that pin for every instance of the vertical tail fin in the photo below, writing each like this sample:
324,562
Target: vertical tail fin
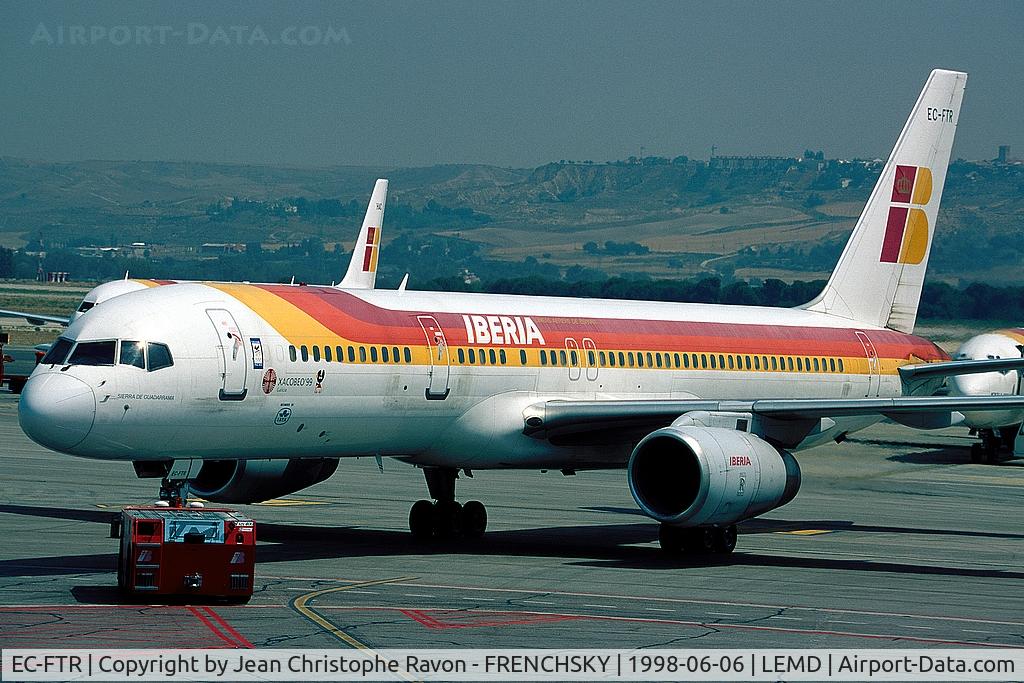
880,274
362,269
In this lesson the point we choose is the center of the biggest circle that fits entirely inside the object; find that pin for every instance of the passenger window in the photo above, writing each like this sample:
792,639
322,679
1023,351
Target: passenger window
832,364
384,354
395,356
502,357
291,353
686,361
640,359
789,363
632,361
304,352
316,354
757,363
462,357
159,356
133,353
721,362
493,358
58,352
622,359
807,364
574,358
362,354
351,355
764,361
522,356
713,364
657,358
675,357
327,354
730,363
408,355
703,361
590,358
601,358
562,358
373,354
816,368
472,356
543,357
775,365
482,357
339,353
840,365
800,364
650,361
611,359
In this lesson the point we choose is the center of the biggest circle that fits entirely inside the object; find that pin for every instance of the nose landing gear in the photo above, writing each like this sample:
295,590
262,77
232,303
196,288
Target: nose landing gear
445,517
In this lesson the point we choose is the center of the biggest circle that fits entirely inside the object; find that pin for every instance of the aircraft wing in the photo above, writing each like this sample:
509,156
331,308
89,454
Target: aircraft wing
556,417
36,318
959,367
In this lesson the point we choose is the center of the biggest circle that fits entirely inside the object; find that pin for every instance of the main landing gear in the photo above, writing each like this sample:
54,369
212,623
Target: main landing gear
995,447
700,540
445,517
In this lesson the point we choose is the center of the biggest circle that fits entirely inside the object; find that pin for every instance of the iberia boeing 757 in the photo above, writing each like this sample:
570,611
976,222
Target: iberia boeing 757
256,391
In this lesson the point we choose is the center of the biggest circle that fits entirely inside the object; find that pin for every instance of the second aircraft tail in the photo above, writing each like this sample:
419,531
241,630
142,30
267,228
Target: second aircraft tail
362,269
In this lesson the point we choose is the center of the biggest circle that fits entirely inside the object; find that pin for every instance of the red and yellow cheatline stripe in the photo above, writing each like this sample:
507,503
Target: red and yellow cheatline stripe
322,316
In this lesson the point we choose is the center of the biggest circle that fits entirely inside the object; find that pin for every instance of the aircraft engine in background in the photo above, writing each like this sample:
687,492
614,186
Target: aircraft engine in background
254,481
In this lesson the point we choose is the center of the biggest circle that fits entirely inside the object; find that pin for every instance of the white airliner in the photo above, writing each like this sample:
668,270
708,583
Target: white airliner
997,429
361,273
262,388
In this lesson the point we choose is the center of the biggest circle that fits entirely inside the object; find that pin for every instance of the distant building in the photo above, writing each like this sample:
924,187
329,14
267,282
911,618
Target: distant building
751,163
210,248
1004,154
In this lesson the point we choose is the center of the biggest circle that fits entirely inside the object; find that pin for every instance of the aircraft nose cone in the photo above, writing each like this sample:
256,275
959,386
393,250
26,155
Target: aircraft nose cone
979,384
56,410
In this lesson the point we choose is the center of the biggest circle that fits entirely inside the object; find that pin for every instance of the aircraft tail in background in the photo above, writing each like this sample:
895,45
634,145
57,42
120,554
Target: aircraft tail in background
362,269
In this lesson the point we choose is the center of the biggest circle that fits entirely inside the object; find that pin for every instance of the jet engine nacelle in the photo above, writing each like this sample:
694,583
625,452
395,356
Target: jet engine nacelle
692,476
253,481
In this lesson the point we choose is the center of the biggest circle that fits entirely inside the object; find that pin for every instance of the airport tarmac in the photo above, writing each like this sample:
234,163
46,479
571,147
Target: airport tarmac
895,540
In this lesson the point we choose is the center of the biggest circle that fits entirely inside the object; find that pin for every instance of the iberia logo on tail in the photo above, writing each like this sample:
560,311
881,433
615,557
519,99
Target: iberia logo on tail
372,246
906,231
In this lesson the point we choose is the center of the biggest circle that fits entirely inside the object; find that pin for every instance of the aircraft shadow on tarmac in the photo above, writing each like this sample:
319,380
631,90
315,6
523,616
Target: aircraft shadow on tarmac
930,453
608,546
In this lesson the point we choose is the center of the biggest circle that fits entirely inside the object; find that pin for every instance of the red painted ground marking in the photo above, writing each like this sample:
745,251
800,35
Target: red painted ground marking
441,619
242,640
430,622
107,626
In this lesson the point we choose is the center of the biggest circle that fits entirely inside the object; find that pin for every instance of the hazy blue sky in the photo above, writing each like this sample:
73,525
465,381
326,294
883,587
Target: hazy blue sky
514,84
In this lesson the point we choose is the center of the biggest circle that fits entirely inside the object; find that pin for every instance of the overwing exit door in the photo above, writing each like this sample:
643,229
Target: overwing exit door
232,354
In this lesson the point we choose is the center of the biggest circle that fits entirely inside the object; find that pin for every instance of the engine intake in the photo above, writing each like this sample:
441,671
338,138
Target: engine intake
693,476
253,481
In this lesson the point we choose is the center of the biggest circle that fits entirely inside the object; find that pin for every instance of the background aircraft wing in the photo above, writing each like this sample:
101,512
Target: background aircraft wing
959,367
35,318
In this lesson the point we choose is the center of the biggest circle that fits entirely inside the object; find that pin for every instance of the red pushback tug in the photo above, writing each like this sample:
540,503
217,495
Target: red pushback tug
185,551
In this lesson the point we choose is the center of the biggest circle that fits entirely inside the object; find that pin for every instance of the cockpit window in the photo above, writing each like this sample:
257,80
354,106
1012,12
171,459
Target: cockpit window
133,353
93,353
58,352
86,305
159,356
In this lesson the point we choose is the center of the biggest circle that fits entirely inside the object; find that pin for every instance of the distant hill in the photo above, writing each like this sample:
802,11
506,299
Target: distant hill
744,218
